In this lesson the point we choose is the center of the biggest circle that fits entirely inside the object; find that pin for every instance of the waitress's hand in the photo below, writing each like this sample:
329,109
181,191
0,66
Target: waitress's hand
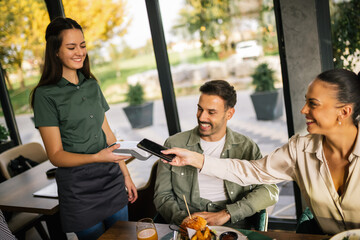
107,155
130,186
185,157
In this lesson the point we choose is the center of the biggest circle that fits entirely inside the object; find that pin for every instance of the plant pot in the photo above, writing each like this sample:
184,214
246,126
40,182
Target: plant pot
140,116
268,105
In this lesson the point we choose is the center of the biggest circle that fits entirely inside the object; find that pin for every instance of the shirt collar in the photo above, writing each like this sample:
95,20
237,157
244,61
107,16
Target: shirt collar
63,82
194,137
356,150
316,145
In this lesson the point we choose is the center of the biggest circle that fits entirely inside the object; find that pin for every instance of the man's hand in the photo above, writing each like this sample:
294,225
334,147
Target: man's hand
185,157
214,218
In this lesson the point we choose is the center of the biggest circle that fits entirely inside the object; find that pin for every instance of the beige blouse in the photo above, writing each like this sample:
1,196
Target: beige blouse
301,160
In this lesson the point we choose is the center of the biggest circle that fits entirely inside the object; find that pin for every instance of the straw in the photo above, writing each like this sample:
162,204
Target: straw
187,206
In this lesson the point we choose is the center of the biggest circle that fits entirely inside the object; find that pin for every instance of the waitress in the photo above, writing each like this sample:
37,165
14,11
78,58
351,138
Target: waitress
94,185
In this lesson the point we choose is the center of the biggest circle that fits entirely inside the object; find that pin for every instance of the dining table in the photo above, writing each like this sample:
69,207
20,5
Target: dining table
127,230
16,194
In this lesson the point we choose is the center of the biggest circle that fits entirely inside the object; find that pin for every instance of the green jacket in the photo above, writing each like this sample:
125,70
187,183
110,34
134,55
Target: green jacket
173,182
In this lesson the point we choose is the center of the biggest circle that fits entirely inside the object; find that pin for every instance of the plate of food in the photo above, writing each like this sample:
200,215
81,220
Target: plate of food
224,233
196,228
353,234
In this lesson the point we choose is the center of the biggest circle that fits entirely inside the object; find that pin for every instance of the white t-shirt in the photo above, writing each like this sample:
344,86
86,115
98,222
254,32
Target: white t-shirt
212,188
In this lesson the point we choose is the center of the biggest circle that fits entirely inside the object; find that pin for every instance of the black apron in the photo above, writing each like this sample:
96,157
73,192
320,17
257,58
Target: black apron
90,193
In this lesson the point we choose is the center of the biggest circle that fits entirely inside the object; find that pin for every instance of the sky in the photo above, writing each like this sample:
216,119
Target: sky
139,30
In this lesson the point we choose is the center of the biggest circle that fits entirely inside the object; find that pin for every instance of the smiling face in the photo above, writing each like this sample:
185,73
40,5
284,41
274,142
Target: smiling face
322,110
72,51
212,117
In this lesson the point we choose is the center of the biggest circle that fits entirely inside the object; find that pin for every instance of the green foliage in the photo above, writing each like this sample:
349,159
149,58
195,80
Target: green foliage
209,19
23,25
135,95
4,134
346,34
263,78
268,29
22,28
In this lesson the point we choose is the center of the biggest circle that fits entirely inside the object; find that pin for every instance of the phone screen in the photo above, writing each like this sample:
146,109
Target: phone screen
155,149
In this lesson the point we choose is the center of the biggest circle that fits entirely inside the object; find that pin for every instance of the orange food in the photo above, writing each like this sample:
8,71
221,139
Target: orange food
199,224
202,235
196,223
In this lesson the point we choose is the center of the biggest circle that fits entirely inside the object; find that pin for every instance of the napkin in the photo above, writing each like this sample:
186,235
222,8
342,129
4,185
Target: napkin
251,235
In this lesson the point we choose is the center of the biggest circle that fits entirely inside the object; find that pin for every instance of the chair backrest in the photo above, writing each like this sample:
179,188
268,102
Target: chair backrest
144,207
33,151
307,223
258,221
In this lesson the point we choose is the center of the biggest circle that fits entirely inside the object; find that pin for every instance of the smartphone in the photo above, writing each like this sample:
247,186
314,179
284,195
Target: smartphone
155,149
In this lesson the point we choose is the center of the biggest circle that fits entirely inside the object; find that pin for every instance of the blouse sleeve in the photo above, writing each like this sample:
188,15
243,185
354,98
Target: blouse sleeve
276,167
45,111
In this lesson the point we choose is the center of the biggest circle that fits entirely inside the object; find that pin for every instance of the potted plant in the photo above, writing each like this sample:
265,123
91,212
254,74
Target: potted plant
267,100
5,143
139,112
4,133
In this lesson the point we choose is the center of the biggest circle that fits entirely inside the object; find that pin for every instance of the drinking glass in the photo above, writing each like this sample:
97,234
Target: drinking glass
145,229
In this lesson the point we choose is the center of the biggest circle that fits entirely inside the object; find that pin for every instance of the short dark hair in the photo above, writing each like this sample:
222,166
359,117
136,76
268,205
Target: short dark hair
347,85
222,89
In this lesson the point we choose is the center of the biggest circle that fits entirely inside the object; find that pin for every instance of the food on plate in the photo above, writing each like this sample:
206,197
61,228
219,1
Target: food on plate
229,235
196,223
199,225
352,237
202,235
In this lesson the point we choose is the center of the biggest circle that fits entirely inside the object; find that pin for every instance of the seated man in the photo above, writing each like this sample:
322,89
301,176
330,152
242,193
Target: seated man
219,202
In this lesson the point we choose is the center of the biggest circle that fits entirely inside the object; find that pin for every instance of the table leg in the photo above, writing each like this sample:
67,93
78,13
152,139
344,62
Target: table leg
54,226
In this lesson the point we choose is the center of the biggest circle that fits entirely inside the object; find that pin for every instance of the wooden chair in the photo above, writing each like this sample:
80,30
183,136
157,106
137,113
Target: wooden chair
21,222
144,207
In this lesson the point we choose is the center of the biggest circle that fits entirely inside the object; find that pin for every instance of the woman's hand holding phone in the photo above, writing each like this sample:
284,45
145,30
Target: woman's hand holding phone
185,157
155,149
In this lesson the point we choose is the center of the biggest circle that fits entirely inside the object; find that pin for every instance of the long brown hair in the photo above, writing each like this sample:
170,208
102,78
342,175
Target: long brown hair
52,70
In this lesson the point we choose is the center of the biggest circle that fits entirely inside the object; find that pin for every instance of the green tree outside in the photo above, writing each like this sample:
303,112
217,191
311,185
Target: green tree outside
208,19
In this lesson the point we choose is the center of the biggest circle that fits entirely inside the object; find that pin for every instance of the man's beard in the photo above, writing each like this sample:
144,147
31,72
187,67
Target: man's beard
199,129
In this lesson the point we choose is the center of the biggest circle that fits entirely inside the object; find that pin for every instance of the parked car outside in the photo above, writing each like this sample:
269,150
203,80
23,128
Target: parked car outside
248,49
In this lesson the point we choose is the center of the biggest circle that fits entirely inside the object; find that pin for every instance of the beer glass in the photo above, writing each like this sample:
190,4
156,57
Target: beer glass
145,229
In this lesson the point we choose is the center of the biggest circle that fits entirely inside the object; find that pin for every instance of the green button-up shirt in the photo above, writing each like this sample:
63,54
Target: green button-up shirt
91,192
173,182
78,111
